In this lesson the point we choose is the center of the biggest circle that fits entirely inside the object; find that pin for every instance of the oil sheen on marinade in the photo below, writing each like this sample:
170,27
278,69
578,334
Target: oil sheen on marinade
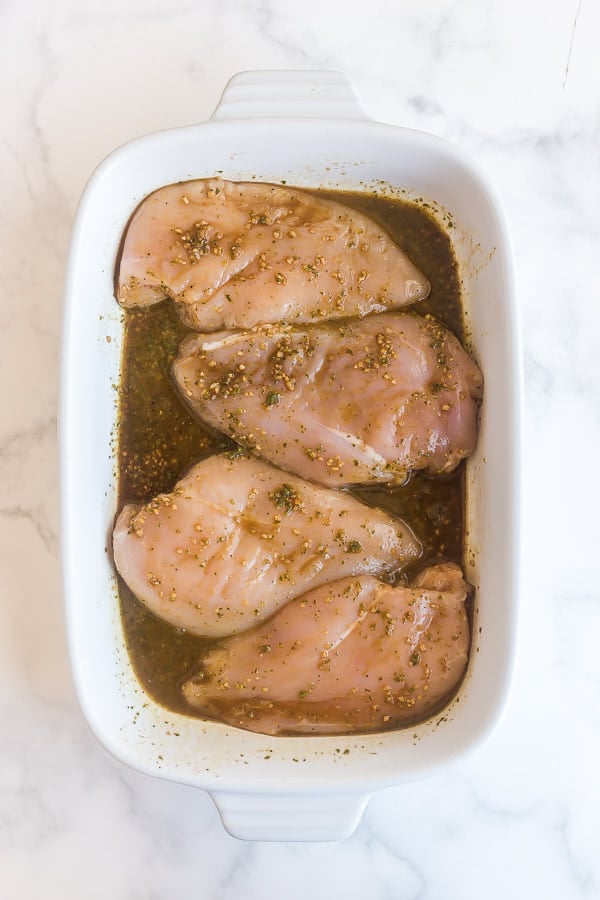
159,440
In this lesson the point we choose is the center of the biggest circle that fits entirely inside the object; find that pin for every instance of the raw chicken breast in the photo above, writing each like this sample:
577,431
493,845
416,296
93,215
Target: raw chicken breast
352,655
237,538
346,403
234,255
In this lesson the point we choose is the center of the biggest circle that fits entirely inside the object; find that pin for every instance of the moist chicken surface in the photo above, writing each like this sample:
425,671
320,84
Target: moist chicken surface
352,655
339,403
236,254
237,538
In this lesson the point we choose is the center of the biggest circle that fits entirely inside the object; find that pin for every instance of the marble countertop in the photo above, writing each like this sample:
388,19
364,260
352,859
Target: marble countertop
518,85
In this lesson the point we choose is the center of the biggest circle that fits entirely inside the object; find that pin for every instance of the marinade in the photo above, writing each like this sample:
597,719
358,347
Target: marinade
158,439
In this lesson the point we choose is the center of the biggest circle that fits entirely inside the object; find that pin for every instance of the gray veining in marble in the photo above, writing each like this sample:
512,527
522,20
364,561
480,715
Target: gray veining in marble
518,85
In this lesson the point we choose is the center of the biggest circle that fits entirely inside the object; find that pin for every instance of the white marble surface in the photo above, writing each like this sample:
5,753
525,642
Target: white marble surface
518,84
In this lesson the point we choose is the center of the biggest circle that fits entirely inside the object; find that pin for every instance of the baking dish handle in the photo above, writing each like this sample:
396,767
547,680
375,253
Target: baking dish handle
301,93
290,817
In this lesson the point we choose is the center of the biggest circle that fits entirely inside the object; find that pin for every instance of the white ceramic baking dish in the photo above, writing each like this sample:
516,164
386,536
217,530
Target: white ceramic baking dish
309,129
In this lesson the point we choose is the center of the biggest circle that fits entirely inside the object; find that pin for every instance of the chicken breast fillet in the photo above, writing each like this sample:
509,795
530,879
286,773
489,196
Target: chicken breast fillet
352,655
234,255
237,538
347,403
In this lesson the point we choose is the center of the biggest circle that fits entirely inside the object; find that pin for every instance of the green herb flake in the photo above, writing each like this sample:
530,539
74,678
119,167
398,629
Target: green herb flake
272,398
288,498
236,453
354,547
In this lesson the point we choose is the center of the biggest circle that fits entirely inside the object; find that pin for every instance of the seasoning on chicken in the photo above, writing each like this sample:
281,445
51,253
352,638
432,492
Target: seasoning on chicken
234,255
339,403
353,655
237,538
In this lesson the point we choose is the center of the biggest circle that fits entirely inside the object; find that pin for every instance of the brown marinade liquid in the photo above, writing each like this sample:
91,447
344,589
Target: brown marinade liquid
159,440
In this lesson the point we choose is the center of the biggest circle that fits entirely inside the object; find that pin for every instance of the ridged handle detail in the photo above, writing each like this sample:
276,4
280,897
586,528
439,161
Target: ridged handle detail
290,817
281,93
